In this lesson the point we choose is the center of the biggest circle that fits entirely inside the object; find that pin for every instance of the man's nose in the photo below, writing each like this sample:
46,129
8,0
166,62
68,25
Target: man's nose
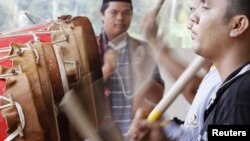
190,24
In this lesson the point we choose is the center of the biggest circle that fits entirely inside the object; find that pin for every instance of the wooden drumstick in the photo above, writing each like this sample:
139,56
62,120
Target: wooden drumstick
181,82
176,89
156,8
77,116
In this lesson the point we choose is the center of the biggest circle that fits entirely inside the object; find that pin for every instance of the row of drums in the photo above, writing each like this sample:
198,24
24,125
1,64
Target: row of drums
39,66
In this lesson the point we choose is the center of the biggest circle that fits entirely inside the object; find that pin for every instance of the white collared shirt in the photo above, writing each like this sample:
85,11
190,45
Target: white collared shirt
119,42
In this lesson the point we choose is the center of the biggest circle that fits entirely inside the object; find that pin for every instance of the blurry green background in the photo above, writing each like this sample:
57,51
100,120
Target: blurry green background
173,17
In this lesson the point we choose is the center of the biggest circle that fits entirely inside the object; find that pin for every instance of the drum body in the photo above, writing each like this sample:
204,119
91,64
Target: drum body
52,59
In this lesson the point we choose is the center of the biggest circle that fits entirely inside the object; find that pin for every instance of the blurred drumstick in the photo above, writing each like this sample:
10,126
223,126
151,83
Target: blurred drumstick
150,29
176,89
156,8
72,107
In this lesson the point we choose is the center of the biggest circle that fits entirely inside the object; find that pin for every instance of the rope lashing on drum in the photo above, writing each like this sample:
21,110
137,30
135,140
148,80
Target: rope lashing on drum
36,38
62,68
11,73
5,49
66,36
19,130
35,53
62,40
19,52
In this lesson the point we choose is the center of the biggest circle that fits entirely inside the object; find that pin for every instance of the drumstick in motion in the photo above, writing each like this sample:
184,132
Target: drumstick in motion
176,89
71,106
157,7
150,30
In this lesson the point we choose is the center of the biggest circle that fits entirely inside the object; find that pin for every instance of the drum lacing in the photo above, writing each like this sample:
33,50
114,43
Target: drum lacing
11,73
62,40
35,53
66,38
5,49
19,130
19,52
36,38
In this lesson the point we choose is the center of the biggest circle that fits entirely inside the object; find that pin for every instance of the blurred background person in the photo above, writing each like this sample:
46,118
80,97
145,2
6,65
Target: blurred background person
133,71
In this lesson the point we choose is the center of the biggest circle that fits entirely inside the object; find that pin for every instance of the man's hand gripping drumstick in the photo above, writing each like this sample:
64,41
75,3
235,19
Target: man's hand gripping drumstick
150,31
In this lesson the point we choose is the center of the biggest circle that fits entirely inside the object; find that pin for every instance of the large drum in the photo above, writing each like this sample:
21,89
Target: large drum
39,65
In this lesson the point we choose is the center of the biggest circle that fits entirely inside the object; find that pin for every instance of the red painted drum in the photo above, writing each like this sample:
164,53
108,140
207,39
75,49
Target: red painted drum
38,66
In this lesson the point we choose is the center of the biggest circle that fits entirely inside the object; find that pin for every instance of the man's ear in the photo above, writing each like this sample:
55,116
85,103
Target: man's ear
240,25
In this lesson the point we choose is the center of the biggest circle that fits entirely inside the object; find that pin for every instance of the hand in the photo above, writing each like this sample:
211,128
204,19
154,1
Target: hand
110,63
137,129
146,96
143,130
149,27
142,103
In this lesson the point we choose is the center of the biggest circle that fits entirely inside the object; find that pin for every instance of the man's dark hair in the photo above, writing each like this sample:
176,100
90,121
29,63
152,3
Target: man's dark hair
105,6
235,7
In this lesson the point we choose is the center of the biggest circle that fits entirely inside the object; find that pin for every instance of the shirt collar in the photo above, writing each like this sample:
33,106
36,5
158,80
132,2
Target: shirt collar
118,42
